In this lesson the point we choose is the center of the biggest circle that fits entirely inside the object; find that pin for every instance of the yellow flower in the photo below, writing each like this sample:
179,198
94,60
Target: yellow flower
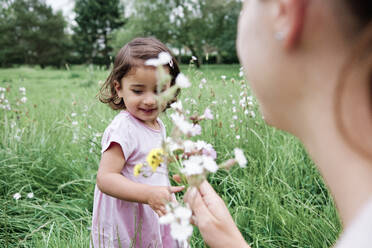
154,158
137,169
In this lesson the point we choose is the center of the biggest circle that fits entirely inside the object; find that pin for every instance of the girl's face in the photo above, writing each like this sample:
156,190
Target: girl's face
138,89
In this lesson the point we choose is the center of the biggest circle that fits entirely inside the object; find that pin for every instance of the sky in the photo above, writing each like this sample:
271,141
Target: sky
66,6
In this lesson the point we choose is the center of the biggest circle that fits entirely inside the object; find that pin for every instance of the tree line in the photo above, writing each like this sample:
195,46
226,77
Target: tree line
32,33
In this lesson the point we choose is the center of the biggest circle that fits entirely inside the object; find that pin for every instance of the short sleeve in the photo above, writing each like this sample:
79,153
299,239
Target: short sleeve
119,132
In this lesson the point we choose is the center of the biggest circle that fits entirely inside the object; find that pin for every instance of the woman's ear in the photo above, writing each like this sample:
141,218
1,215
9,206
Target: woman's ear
289,23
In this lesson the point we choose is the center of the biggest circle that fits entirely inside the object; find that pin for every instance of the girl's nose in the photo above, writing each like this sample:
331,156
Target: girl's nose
150,100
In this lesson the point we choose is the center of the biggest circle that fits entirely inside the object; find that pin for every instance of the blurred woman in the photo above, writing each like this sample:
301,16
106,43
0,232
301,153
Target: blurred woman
309,63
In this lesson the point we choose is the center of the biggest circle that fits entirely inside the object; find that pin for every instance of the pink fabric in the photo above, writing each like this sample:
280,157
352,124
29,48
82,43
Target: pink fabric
118,223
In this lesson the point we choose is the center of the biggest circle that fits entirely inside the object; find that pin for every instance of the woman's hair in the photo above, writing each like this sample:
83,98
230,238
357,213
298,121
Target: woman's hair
356,75
134,54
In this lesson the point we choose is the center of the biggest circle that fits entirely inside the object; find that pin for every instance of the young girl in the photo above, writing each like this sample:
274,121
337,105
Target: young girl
127,208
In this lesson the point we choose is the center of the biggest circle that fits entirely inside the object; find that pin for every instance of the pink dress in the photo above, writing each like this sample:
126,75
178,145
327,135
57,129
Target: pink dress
119,223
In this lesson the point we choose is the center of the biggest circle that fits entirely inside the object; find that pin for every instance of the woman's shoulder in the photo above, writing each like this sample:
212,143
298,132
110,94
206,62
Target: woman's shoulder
359,232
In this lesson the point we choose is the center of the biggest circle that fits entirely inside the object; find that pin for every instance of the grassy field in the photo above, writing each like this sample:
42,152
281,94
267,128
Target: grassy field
279,200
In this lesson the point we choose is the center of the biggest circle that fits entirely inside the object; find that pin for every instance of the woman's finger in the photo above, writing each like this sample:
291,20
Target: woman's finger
197,205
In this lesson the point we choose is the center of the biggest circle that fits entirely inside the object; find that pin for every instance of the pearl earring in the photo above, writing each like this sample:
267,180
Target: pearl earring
280,35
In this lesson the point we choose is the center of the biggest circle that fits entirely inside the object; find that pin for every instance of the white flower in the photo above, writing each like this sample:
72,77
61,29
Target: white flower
209,164
223,77
246,111
184,126
194,58
166,219
163,59
241,74
208,114
2,96
183,213
235,117
196,165
214,102
179,219
22,90
177,105
181,231
240,158
253,114
172,145
24,99
73,114
237,137
16,196
74,123
2,89
30,195
201,86
182,81
204,81
193,166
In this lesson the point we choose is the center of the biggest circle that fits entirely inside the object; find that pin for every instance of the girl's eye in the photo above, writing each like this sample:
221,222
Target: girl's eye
137,91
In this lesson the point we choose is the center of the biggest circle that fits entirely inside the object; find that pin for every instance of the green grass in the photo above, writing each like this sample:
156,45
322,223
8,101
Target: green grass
279,200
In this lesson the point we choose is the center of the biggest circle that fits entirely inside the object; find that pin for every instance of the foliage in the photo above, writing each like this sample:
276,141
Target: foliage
96,20
201,26
31,33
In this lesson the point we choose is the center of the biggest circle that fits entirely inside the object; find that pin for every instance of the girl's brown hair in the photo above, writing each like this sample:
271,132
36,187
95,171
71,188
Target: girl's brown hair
132,55
354,120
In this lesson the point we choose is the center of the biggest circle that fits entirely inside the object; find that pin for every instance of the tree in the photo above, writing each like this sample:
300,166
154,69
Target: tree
31,34
96,20
199,25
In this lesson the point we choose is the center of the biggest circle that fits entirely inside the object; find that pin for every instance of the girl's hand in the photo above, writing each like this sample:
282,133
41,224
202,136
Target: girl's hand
213,218
158,196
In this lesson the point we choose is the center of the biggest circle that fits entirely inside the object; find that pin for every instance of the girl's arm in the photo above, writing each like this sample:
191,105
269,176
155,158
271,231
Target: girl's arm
111,182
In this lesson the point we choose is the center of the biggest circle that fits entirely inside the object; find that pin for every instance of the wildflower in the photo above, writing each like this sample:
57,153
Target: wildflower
73,114
201,86
137,169
177,105
235,117
208,114
16,196
154,158
30,195
196,165
163,59
237,137
22,90
253,114
194,58
2,89
184,126
182,81
24,99
179,219
240,158
204,81
74,123
223,77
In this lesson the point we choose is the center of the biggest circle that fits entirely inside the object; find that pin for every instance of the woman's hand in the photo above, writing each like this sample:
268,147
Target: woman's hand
213,218
158,196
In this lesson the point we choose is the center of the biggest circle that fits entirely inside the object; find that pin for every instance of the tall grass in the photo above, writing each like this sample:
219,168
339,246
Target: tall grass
279,200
